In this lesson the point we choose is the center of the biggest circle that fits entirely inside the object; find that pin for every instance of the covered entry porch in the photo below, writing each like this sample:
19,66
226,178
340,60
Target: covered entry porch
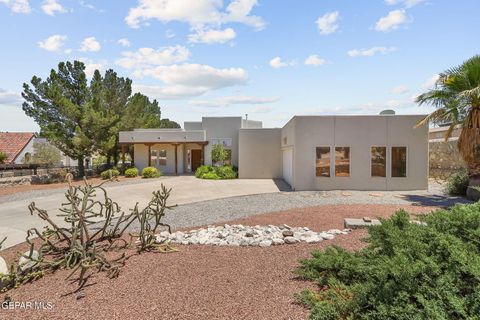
172,151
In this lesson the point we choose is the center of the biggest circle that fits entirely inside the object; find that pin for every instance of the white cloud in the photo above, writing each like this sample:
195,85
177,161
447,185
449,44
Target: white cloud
197,13
314,60
212,36
262,109
9,97
406,3
169,34
53,43
401,89
146,57
370,52
50,7
278,63
188,80
430,82
328,23
90,44
392,21
124,42
90,6
231,100
91,66
17,6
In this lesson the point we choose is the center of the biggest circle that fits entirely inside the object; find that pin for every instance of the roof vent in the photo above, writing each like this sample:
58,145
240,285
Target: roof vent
387,112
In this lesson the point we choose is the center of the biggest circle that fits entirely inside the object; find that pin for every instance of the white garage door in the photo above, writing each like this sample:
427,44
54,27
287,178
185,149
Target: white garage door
288,166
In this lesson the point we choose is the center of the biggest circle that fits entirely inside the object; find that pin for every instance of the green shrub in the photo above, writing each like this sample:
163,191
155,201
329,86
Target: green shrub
225,172
3,157
407,271
131,173
211,176
110,173
203,170
457,183
151,172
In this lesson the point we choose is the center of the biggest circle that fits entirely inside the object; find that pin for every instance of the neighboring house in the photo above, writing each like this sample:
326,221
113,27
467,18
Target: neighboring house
19,147
439,133
378,152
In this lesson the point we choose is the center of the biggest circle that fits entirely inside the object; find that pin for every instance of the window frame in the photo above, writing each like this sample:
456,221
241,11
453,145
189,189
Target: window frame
160,158
329,162
406,162
386,161
349,162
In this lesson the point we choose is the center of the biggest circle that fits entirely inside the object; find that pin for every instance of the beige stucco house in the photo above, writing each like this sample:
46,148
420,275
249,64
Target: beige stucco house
377,152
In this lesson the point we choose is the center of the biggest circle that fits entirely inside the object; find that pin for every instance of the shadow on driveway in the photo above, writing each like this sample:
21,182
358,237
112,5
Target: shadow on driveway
435,200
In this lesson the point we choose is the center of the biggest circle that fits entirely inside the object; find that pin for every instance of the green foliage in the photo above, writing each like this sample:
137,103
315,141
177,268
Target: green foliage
98,161
219,153
109,174
457,183
203,170
45,153
226,172
167,123
3,157
151,172
407,271
131,173
215,173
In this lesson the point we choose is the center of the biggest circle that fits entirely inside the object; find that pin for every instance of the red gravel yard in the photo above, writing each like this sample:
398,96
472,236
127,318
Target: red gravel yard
200,281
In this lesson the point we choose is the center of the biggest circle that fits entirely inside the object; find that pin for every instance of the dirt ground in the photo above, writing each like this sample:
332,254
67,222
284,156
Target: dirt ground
200,281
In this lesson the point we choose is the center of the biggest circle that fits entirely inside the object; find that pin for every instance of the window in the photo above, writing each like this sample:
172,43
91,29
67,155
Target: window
153,157
379,162
227,143
342,161
399,162
162,157
323,162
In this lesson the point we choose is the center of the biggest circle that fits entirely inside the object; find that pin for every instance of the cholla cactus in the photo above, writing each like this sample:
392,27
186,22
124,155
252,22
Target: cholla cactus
81,245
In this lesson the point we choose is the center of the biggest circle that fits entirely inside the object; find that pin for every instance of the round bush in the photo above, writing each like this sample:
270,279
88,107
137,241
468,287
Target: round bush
202,170
151,172
211,176
131,172
457,183
226,172
110,173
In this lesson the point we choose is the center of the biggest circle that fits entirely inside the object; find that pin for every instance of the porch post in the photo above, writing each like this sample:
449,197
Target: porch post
149,155
203,154
176,162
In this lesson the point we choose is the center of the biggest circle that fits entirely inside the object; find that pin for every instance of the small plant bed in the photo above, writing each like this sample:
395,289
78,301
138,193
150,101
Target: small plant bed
84,250
407,271
216,173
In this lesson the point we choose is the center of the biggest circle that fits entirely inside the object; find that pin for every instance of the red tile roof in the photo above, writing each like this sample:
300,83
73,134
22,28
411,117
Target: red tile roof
12,143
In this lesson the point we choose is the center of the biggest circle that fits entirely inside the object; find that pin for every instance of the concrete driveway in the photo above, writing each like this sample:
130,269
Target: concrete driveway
15,218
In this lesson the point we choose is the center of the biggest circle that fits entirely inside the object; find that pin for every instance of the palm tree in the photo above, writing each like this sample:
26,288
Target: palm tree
456,97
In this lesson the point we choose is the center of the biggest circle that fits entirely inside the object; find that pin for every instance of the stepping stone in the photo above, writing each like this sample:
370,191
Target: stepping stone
352,223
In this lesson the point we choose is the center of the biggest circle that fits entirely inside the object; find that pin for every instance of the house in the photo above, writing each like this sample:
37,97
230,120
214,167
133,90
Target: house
19,147
375,152
439,132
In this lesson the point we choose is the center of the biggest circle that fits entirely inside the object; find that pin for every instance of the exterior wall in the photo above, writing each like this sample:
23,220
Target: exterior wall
260,155
141,157
27,149
191,125
221,128
253,124
359,133
439,133
445,159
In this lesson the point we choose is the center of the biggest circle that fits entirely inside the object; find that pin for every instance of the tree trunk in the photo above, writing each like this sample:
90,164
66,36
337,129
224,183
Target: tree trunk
81,167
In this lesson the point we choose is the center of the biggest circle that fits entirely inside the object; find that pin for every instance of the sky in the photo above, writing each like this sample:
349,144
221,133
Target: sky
270,59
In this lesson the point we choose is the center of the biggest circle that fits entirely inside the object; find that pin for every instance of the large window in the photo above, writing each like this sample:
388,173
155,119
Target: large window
379,162
323,162
399,162
342,161
162,157
153,157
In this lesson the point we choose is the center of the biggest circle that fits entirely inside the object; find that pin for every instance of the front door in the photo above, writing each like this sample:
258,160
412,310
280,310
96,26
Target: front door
196,159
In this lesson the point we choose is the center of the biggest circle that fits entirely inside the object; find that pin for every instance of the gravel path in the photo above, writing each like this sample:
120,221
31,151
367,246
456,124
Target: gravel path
221,210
